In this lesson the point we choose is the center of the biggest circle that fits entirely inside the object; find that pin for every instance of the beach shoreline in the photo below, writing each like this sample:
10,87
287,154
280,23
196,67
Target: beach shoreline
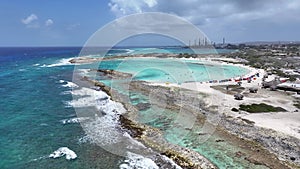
205,87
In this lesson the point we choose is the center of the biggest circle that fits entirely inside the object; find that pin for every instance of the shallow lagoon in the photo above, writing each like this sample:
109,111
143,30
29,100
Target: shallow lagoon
173,70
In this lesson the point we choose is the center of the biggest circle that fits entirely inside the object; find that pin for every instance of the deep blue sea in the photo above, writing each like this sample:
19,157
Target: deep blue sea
35,102
31,110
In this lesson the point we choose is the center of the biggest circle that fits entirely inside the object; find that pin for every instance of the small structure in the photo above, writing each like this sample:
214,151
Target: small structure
238,96
253,89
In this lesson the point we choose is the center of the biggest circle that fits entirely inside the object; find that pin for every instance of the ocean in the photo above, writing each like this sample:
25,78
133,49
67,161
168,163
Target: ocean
38,113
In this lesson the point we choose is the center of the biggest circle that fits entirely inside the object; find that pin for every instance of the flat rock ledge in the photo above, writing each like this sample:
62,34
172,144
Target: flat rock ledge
284,147
153,138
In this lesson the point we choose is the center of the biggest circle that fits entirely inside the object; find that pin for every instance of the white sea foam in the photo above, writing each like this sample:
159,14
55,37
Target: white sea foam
129,51
103,129
84,139
44,124
174,165
97,99
83,71
70,84
61,62
90,92
65,92
74,120
133,142
37,64
134,161
64,151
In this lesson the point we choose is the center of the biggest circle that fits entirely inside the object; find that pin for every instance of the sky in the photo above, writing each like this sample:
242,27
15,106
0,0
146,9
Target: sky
71,23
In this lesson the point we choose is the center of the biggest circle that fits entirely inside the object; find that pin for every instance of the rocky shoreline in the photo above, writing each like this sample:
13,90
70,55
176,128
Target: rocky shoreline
269,147
284,149
151,137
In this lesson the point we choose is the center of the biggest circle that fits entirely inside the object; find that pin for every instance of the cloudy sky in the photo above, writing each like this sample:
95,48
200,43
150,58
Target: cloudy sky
71,23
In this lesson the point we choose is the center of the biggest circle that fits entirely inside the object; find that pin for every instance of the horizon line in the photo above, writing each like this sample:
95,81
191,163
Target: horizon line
78,46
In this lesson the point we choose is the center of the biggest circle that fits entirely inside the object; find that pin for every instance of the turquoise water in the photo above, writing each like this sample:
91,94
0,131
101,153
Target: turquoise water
176,50
173,70
31,110
35,101
222,154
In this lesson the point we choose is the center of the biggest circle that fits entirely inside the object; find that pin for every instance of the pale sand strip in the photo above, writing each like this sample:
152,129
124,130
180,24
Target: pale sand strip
285,122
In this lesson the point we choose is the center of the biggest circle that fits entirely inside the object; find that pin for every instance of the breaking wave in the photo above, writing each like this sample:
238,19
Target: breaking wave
134,161
64,151
62,62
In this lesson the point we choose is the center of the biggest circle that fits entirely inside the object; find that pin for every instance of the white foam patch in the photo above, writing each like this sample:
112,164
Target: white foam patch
37,64
74,120
134,161
103,130
65,92
70,85
133,142
174,165
90,92
83,71
129,51
97,99
84,139
64,151
62,62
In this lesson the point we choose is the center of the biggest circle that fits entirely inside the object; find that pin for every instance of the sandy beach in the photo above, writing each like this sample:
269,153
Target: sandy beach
274,131
287,123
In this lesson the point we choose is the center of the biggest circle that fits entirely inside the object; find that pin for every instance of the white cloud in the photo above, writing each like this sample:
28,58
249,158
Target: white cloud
126,7
151,3
49,22
203,11
223,17
29,19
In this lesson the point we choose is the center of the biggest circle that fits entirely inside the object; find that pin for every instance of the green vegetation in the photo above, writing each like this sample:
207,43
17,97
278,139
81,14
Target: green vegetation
281,74
260,108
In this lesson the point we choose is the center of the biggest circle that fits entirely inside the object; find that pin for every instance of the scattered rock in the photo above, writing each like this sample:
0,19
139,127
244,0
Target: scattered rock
143,106
220,140
239,154
254,161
